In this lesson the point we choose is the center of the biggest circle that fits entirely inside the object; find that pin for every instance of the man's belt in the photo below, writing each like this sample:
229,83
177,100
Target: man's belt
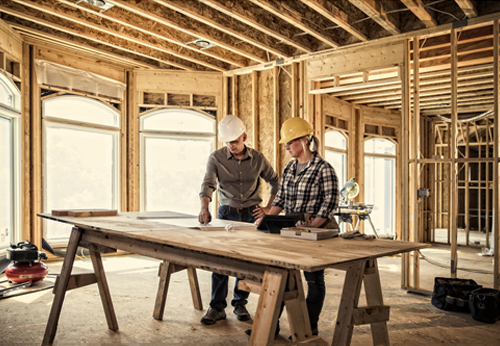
241,210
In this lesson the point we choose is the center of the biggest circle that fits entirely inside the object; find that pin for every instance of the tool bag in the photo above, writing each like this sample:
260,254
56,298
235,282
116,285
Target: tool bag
484,305
453,294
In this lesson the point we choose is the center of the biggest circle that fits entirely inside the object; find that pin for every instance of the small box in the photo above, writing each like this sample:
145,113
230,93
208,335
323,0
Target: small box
309,233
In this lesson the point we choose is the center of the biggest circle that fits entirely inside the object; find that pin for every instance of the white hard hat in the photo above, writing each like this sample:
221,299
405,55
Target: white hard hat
230,128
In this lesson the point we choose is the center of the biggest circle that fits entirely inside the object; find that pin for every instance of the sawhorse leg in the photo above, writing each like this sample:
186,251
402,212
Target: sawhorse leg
278,285
349,315
66,282
60,290
102,284
166,269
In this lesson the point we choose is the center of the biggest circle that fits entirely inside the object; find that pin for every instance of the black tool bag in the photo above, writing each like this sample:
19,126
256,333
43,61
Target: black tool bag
484,305
453,294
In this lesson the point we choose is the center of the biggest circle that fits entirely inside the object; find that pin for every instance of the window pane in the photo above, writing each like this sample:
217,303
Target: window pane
380,146
336,140
6,211
174,173
338,161
6,96
79,170
380,190
79,108
178,120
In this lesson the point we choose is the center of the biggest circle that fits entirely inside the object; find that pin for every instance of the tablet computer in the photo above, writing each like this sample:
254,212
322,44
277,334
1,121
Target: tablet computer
274,223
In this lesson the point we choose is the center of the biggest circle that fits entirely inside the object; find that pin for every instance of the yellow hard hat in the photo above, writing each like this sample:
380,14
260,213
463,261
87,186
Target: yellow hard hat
294,128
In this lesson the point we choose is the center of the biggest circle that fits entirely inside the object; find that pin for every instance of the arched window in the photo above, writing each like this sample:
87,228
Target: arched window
336,154
81,157
10,159
380,184
175,145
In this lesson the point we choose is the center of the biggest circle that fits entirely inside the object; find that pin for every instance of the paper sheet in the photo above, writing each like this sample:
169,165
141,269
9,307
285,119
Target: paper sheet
214,225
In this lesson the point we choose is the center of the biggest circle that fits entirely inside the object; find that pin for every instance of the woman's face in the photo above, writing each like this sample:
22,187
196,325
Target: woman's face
294,147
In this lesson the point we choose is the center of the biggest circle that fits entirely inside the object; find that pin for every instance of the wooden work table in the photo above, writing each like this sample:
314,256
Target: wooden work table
269,265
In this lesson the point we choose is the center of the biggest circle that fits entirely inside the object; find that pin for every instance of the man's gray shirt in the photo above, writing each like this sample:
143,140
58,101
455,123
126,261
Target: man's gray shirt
238,179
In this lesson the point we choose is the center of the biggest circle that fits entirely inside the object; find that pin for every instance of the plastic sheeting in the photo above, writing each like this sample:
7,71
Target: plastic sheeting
52,74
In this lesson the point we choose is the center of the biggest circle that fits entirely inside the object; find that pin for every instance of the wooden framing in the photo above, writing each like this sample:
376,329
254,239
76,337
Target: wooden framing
383,66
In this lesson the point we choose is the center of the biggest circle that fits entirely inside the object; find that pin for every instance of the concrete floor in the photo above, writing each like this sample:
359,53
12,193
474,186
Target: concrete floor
133,283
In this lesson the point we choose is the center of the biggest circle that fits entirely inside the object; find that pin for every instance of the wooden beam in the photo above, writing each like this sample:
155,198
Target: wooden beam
192,10
276,118
418,9
237,13
467,7
496,155
405,174
453,203
255,110
41,37
178,21
375,10
149,27
336,15
295,18
415,173
95,24
120,45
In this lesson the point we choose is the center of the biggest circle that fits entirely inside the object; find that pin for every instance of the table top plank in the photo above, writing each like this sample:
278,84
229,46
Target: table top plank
248,244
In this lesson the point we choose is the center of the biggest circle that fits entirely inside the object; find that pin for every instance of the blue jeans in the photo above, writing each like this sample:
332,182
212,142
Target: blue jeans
219,281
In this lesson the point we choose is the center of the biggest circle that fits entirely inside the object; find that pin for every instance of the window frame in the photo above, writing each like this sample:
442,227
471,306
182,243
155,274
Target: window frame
165,134
341,151
396,172
56,122
13,114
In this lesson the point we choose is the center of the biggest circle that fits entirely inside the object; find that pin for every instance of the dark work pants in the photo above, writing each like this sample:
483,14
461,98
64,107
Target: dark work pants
219,281
315,296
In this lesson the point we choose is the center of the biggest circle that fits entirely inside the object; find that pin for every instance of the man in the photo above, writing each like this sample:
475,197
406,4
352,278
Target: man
237,170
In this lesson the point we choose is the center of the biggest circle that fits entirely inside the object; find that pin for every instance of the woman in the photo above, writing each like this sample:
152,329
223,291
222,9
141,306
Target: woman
308,189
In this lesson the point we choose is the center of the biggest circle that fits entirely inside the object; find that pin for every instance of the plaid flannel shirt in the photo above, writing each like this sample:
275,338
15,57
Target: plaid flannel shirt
314,190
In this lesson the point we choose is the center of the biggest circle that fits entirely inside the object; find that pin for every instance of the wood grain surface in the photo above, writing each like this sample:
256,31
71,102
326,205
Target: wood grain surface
248,245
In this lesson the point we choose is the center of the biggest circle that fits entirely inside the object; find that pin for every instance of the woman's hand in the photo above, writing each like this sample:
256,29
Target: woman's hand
259,212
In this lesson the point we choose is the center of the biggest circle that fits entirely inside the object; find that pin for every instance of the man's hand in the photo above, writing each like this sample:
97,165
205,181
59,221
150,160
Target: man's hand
260,212
204,217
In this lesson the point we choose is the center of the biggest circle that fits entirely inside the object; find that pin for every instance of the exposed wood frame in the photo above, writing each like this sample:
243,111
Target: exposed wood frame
255,110
496,154
453,203
369,7
415,173
26,150
418,9
37,186
219,55
405,193
204,33
276,119
88,37
292,19
248,20
133,149
336,15
187,55
467,7
33,36
192,14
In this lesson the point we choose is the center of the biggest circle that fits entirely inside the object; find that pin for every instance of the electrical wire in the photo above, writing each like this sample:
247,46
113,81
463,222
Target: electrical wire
442,265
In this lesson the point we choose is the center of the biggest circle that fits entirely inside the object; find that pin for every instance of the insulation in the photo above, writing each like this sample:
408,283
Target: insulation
52,74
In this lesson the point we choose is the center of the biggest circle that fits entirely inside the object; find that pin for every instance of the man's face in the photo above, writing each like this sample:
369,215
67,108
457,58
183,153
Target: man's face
237,146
